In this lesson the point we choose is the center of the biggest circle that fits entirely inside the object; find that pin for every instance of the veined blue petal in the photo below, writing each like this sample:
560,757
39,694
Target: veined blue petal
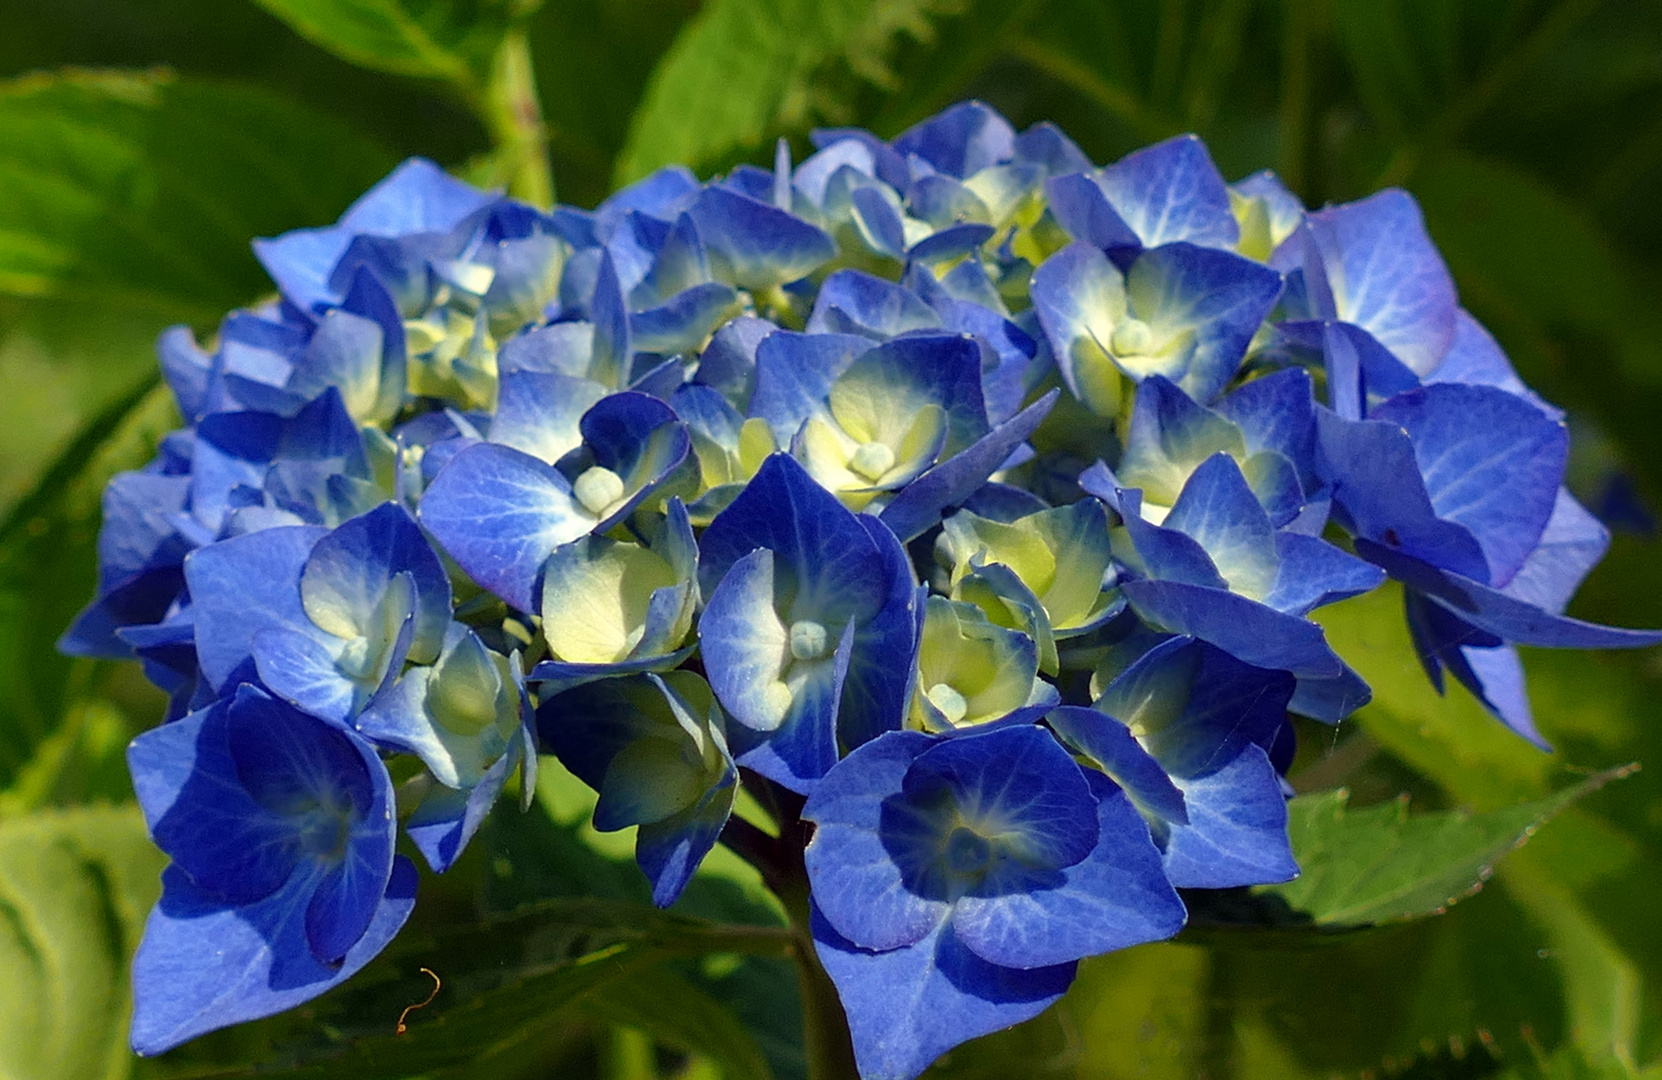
1386,276
908,1006
538,412
499,513
1171,191
1237,829
754,245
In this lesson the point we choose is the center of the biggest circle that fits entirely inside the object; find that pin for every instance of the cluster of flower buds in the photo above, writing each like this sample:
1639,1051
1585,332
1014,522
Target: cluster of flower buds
974,493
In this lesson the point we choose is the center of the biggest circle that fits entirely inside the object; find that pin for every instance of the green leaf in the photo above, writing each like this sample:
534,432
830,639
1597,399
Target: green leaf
1380,864
452,40
504,981
75,887
675,1011
47,567
745,71
142,190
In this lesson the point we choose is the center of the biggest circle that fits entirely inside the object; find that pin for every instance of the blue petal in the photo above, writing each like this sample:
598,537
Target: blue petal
538,412
1109,743
1259,635
1506,617
877,690
499,513
1079,296
1571,545
1377,483
1491,462
855,302
447,818
1221,297
1219,511
1386,275
204,964
1116,897
829,566
1171,191
1081,207
243,585
922,502
856,881
794,375
960,141
754,245
351,568
1045,144
908,1006
199,812
1476,358
1314,573
1237,830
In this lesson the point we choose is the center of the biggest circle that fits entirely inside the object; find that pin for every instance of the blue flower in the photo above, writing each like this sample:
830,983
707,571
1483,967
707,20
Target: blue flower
1187,731
810,625
283,882
655,749
956,881
500,513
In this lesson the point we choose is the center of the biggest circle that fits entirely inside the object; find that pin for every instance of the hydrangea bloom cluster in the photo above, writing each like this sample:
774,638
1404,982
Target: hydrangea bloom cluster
975,494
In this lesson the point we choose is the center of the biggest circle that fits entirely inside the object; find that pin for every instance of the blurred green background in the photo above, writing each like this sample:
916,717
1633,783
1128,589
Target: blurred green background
143,142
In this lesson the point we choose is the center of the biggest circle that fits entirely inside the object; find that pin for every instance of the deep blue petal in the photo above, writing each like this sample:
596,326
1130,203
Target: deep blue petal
204,964
908,1006
1237,829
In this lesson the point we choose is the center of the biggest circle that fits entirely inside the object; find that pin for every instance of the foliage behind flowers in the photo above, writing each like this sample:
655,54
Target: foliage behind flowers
959,501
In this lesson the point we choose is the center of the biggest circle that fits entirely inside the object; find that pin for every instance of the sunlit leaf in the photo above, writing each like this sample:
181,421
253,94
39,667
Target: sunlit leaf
143,189
1377,864
74,889
441,39
745,70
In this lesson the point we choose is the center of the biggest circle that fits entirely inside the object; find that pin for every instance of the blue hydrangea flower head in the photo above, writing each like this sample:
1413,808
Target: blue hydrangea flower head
283,881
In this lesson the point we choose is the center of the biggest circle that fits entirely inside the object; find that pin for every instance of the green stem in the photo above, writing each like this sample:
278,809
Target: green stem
513,115
825,1039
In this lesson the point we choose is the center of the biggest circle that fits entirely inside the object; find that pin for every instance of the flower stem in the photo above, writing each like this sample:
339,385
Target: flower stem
825,1039
513,114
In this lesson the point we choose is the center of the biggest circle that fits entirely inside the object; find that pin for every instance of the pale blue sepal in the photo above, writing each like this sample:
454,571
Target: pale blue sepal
1573,542
908,1006
539,412
794,375
922,503
499,513
1314,573
1386,276
1237,829
1171,191
242,586
204,964
1476,359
